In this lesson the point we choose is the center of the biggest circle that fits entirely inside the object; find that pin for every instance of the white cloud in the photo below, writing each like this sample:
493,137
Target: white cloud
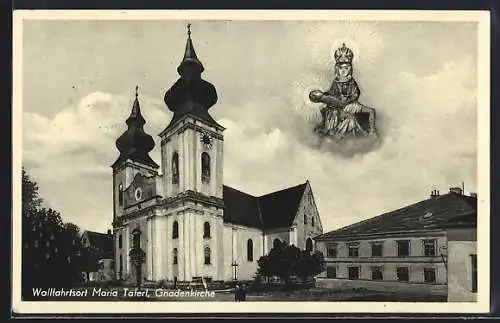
428,125
430,140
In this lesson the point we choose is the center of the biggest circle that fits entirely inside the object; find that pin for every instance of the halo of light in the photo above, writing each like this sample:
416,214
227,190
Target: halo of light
363,38
301,104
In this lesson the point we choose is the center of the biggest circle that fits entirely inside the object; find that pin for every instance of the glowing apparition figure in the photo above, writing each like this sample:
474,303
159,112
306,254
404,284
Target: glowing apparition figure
343,116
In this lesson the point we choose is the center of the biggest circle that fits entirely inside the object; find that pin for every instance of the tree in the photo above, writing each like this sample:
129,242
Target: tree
51,255
309,265
30,198
285,261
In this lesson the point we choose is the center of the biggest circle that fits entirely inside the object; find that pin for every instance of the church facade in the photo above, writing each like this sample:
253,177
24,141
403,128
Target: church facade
185,222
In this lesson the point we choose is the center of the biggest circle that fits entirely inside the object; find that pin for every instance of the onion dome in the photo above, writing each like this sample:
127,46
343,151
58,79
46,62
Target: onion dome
134,143
190,57
190,94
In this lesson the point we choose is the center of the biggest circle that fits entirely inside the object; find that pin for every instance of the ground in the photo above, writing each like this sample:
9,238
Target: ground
313,294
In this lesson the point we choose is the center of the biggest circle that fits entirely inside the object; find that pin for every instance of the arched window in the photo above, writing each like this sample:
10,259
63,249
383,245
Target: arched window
175,256
136,239
175,230
175,168
206,230
206,253
250,250
312,221
305,219
120,242
205,167
276,243
309,245
120,194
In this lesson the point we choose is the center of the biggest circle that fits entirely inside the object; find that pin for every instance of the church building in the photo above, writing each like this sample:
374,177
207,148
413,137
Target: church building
184,221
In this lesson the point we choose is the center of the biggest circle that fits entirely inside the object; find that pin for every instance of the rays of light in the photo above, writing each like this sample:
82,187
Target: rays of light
361,37
301,104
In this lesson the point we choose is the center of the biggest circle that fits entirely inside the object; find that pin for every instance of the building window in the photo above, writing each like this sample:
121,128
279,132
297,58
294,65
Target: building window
175,230
175,252
206,252
305,218
353,272
429,248
402,274
403,248
331,250
429,275
206,230
331,272
120,194
120,241
309,245
205,167
312,221
473,259
136,239
276,243
175,168
377,273
354,250
377,249
250,250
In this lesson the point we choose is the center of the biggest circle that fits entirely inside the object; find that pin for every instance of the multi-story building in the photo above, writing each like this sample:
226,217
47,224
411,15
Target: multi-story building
420,247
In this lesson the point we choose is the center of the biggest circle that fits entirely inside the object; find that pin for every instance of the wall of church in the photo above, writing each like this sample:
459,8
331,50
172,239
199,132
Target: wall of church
187,143
125,177
282,234
307,220
235,250
168,147
190,244
127,243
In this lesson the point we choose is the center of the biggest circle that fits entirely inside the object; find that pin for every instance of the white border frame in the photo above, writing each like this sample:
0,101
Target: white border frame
481,306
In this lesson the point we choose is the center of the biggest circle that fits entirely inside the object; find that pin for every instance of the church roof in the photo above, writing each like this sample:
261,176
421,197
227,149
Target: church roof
135,143
439,212
267,212
241,208
100,241
279,208
191,94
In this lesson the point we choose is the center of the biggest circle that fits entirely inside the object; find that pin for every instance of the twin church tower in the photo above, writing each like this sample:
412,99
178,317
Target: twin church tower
183,223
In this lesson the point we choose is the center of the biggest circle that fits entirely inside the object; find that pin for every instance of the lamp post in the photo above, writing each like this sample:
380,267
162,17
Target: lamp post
235,266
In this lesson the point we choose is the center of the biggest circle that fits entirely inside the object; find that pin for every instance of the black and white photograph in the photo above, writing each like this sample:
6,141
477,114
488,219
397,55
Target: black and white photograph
251,161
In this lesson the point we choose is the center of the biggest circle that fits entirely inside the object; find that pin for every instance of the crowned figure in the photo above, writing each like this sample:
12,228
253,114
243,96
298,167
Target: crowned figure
342,114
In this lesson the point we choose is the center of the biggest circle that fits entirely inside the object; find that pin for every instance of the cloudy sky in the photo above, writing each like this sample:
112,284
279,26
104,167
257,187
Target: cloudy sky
79,80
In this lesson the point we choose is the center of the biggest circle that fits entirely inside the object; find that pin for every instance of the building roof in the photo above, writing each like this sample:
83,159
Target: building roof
191,94
100,241
440,212
135,143
267,212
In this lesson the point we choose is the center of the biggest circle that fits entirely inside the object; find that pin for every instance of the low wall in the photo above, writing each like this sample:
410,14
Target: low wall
383,286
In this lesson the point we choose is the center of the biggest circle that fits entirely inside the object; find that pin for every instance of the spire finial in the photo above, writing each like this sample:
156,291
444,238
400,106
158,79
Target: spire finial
189,29
136,89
